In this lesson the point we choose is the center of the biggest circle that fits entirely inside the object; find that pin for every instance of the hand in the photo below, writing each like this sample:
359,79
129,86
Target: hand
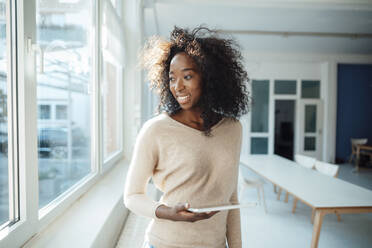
180,213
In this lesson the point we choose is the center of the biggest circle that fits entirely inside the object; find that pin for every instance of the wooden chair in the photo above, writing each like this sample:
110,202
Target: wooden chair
354,143
329,170
245,183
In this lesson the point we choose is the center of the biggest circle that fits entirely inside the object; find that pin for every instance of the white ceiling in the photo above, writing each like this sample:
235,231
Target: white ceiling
332,16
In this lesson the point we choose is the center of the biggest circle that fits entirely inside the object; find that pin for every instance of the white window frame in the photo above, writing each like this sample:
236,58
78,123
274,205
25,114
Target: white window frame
116,156
106,56
32,219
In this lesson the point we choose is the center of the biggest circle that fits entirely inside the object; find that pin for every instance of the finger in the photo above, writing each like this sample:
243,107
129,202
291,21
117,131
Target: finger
213,213
185,215
206,215
182,207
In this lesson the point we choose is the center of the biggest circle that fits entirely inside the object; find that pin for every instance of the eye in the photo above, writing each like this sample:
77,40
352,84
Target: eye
188,77
171,79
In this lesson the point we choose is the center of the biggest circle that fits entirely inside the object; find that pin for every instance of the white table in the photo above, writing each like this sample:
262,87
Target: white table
323,193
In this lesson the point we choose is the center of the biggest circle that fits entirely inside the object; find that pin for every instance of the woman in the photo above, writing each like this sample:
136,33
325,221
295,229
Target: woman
191,150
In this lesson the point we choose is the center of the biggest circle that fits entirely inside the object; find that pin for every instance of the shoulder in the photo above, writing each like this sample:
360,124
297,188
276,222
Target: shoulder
234,124
154,125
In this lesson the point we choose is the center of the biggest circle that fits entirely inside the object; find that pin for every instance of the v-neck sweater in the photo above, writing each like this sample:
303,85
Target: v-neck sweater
187,166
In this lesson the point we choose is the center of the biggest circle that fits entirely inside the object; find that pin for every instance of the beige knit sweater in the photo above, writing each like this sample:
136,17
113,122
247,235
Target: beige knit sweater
187,167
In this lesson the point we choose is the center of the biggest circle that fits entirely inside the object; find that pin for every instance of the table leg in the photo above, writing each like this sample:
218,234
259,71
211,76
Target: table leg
319,214
357,159
286,197
312,216
279,192
294,204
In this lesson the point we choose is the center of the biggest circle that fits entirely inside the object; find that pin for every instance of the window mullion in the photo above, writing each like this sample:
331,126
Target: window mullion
27,114
12,112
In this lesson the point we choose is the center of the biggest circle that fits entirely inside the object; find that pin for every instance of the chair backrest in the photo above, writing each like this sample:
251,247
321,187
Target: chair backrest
305,161
327,168
355,142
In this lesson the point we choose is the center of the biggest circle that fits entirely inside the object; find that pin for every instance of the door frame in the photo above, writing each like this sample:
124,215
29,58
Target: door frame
319,128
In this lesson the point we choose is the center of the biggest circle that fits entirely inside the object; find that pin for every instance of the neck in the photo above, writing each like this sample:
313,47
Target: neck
191,116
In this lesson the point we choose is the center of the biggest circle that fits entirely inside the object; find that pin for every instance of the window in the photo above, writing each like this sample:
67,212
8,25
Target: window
44,112
61,112
285,87
64,75
309,144
111,80
259,145
310,118
63,118
310,89
111,115
4,185
260,106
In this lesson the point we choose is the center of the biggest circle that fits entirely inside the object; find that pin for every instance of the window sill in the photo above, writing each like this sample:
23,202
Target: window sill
94,220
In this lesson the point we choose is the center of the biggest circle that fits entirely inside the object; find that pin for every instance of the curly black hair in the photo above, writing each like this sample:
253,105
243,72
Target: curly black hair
224,91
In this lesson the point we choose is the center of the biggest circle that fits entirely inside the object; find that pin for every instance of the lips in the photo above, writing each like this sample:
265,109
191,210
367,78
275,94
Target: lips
183,99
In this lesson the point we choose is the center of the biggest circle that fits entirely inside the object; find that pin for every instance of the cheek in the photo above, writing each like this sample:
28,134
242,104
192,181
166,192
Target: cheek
171,89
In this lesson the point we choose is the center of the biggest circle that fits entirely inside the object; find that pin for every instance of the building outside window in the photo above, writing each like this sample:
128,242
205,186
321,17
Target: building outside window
44,112
4,186
61,112
64,31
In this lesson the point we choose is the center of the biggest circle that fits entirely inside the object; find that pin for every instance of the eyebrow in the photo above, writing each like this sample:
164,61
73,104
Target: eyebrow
185,69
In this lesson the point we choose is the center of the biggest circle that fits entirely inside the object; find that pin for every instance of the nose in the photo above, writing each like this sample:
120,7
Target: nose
179,85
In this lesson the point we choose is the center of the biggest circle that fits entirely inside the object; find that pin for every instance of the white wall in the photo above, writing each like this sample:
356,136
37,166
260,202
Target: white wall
322,66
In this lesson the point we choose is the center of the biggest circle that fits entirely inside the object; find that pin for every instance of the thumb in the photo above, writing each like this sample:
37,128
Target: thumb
182,206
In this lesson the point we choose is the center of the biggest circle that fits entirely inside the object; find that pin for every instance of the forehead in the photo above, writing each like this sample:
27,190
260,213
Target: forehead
181,61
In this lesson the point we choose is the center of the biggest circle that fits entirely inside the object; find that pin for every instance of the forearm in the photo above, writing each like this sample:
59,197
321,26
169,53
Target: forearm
141,204
233,234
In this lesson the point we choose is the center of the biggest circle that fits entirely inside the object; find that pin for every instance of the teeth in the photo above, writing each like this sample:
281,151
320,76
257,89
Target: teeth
183,99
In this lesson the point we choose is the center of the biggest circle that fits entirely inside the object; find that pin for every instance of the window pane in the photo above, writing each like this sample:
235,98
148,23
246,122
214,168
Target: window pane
61,112
64,74
309,144
285,87
310,89
4,186
259,145
44,112
260,106
111,106
310,118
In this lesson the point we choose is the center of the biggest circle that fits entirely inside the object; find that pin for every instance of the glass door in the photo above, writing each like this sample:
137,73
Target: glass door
311,122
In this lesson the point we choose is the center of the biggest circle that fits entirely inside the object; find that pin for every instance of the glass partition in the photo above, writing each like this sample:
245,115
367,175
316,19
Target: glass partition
285,87
260,106
259,145
310,89
310,118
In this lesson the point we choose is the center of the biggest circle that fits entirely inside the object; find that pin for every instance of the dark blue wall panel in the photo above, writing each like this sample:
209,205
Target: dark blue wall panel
354,106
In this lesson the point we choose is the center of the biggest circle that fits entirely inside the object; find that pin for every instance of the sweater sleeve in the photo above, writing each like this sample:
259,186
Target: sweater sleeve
233,232
141,168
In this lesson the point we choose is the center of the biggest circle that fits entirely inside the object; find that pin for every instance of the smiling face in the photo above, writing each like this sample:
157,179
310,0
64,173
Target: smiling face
185,81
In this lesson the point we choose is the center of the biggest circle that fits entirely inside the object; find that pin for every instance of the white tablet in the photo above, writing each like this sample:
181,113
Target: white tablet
221,208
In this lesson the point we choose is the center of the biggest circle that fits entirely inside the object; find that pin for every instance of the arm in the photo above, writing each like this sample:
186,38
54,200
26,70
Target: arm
233,233
144,160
